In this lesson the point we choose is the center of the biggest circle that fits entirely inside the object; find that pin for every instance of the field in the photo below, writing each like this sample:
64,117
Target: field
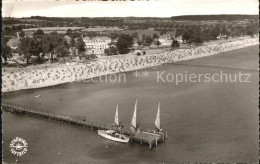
98,29
54,28
147,32
31,20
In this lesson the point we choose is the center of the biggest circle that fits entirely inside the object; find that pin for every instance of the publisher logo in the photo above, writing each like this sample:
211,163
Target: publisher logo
18,146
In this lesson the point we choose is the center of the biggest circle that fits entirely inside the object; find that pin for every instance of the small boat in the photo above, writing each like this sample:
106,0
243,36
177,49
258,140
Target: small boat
113,135
157,120
133,123
157,123
117,124
134,128
37,96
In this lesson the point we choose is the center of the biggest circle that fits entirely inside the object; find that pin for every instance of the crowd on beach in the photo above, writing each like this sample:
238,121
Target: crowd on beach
49,76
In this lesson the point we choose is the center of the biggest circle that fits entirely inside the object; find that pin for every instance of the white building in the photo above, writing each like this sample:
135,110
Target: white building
96,45
179,39
13,43
68,39
165,40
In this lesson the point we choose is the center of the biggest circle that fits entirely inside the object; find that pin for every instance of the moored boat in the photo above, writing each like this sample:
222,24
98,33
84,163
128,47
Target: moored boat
113,135
157,123
133,127
157,120
117,123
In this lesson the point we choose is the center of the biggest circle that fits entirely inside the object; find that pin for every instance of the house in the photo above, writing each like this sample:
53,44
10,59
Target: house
179,39
13,43
165,40
28,34
68,39
96,45
136,42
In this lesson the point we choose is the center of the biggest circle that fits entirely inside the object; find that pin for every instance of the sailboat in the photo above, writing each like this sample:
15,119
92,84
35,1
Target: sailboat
157,123
116,116
117,123
157,120
133,123
112,134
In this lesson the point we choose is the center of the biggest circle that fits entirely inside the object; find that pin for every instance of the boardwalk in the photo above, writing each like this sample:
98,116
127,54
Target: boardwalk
140,137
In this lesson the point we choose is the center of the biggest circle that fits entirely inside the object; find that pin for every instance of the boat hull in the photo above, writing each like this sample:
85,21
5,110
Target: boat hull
106,135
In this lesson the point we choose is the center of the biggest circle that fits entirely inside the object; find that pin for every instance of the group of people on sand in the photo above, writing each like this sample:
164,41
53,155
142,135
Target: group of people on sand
47,76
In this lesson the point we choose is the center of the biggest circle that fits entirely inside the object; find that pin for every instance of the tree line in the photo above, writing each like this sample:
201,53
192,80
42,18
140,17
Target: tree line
55,45
199,35
41,44
215,17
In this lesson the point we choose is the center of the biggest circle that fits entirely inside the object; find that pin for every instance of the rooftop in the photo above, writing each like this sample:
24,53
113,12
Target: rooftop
67,37
13,42
99,38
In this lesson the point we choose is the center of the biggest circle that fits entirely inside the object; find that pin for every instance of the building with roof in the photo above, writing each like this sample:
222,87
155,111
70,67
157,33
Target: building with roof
96,45
68,39
165,40
179,39
13,43
136,42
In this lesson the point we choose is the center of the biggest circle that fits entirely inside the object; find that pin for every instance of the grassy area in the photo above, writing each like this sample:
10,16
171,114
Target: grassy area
98,29
31,20
54,28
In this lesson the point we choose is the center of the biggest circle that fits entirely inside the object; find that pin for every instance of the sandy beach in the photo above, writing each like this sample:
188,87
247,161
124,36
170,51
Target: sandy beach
37,77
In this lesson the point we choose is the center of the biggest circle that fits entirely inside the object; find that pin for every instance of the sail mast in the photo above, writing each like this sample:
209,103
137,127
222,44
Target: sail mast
157,120
134,116
116,116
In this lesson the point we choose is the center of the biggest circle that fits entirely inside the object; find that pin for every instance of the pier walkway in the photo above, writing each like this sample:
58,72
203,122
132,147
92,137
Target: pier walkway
138,137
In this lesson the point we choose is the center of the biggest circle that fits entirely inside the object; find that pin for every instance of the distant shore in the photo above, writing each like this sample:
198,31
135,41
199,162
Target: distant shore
43,76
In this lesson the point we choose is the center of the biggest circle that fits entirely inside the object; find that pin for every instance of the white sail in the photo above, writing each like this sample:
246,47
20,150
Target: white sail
134,116
116,116
157,120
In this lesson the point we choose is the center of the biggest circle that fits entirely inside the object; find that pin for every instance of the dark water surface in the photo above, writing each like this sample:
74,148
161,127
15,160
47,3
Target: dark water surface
206,122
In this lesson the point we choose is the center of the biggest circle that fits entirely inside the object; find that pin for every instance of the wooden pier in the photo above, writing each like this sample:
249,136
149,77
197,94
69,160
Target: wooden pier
142,137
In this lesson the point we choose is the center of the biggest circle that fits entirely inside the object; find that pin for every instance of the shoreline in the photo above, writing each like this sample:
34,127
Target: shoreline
59,74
